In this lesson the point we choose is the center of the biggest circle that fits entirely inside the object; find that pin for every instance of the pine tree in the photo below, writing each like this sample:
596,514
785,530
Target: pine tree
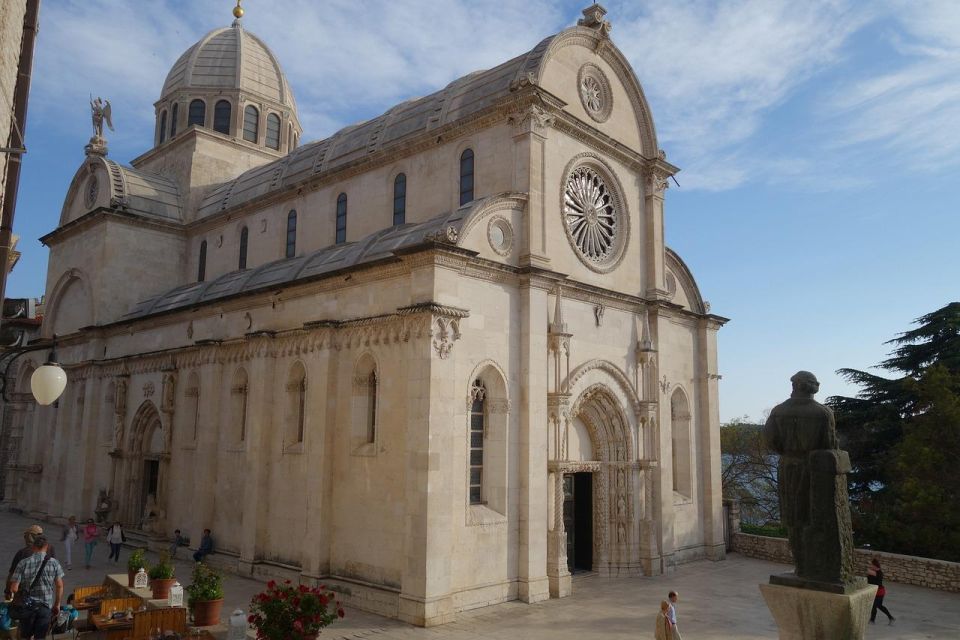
897,431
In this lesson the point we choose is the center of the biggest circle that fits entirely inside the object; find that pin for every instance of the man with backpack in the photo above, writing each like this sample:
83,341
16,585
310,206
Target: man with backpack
41,576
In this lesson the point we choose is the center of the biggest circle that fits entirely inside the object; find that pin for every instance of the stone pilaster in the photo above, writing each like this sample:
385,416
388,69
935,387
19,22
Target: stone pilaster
531,126
656,174
261,407
708,424
534,585
431,391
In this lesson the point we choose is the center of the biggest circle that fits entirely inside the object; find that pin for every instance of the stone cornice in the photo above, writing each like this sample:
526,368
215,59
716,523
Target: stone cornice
88,220
426,320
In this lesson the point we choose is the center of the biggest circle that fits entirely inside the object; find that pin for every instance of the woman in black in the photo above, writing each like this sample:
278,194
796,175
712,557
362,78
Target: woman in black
875,576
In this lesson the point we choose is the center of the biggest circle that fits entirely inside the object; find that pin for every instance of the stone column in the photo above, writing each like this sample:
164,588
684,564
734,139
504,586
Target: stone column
534,585
263,386
708,424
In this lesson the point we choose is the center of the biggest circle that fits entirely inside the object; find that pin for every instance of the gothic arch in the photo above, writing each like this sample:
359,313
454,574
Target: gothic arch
606,371
144,426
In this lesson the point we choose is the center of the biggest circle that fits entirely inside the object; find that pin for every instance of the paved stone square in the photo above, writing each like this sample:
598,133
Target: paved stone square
718,600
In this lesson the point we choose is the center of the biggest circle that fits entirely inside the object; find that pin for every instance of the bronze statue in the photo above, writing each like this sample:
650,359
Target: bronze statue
813,489
100,110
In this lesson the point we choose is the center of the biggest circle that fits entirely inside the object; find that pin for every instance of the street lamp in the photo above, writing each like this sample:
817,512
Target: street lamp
47,382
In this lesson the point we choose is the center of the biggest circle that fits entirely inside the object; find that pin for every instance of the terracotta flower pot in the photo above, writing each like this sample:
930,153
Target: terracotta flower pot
206,613
161,587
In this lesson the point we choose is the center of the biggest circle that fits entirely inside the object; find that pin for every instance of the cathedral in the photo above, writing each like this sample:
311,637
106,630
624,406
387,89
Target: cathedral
441,359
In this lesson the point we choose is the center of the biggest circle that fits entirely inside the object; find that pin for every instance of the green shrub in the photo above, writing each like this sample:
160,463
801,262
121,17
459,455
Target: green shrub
770,530
207,585
137,560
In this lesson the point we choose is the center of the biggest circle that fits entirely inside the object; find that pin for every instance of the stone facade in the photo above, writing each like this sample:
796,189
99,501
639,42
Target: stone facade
437,397
923,572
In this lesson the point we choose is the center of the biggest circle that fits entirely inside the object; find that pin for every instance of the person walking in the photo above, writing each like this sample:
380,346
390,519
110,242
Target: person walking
664,628
116,538
71,532
91,534
672,614
42,578
875,576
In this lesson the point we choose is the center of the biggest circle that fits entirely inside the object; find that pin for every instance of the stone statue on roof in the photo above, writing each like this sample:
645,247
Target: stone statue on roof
100,111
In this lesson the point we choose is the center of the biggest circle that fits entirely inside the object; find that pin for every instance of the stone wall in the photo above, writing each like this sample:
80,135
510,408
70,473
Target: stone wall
923,572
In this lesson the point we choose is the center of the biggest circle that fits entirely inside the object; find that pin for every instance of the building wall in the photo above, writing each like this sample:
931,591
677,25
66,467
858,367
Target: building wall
11,36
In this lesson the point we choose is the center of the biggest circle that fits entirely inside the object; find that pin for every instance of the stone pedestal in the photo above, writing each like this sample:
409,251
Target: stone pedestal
805,614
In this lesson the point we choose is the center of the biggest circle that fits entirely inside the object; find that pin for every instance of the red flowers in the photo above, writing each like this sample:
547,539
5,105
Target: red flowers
292,612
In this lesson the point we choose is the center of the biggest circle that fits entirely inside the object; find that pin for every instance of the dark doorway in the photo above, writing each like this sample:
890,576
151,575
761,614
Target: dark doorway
151,480
578,520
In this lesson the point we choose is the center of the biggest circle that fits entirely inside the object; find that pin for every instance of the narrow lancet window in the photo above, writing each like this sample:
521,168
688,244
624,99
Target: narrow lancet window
243,248
251,124
202,262
221,117
400,200
466,177
291,233
478,394
341,218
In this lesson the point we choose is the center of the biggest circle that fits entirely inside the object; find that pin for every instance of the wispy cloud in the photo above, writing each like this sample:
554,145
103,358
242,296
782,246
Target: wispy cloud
714,71
910,110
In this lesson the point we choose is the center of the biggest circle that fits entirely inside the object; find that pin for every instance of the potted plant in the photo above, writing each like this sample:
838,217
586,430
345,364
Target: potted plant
161,577
205,596
292,612
136,561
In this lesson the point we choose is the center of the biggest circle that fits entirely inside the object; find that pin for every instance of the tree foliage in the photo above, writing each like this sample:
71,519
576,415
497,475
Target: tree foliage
903,435
749,472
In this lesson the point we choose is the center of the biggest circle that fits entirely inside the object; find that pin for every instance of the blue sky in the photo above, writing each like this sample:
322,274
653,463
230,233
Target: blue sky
819,140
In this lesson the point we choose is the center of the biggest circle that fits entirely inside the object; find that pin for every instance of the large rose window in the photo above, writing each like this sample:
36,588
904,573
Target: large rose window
591,216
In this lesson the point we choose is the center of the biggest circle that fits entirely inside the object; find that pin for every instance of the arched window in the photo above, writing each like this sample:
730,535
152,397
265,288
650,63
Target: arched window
174,114
291,233
202,262
364,415
163,126
400,199
372,407
478,395
193,402
341,218
273,131
466,176
198,113
296,403
243,248
251,123
221,116
680,439
238,401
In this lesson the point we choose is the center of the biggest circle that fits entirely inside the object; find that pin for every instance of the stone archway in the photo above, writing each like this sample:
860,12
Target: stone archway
146,463
617,500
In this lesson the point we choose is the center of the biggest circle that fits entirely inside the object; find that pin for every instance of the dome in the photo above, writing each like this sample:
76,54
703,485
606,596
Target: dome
230,58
